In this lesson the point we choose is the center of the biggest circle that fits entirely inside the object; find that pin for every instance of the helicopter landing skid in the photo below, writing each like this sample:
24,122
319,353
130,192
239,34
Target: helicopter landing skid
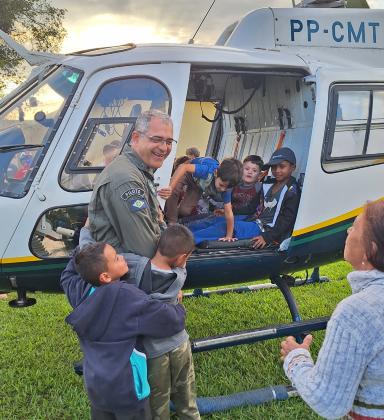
297,328
196,293
316,278
22,301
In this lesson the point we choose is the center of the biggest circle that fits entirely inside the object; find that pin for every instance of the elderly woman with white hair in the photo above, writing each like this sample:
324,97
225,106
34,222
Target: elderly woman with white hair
348,376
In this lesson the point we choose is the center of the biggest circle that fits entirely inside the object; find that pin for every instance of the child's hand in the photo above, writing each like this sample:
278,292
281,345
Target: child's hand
218,212
258,242
290,344
180,296
228,239
165,192
160,215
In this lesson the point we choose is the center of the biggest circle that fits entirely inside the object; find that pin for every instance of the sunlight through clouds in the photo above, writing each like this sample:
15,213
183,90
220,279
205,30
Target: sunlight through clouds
108,29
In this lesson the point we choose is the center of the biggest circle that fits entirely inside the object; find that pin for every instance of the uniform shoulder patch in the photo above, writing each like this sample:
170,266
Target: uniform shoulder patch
133,192
137,204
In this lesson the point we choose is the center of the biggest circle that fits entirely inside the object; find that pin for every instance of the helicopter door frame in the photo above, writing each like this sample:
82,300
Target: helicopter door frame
323,218
48,194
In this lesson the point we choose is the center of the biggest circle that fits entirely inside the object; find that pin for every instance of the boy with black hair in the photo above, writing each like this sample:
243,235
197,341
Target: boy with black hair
171,372
280,200
162,278
115,372
204,177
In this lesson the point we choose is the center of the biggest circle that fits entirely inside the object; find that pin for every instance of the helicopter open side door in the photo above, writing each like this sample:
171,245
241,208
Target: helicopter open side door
103,113
345,161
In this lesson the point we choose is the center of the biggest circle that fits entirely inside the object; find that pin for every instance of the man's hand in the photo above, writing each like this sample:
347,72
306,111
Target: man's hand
290,344
228,239
165,192
258,242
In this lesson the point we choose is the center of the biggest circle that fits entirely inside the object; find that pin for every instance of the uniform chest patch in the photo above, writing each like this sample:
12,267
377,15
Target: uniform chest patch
133,192
137,204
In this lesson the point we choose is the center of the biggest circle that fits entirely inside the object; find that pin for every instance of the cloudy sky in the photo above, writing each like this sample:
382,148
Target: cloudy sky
95,23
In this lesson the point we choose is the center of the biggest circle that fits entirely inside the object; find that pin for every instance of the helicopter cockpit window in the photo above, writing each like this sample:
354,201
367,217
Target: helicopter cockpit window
355,128
109,127
27,128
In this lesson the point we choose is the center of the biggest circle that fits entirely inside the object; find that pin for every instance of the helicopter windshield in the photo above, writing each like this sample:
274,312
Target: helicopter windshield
27,128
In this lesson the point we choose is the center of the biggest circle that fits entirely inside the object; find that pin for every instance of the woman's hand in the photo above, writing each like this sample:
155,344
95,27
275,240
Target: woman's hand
258,242
290,344
164,192
228,239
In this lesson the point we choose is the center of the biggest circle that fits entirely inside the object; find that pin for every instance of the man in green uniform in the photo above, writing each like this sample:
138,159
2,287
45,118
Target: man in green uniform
124,210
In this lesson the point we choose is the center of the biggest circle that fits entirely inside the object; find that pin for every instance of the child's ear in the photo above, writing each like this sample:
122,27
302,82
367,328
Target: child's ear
104,278
181,260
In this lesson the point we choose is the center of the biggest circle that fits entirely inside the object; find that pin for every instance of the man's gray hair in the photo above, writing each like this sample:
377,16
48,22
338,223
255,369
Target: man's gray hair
144,119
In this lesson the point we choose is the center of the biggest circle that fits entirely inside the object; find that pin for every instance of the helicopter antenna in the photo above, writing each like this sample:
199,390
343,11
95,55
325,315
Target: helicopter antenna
191,41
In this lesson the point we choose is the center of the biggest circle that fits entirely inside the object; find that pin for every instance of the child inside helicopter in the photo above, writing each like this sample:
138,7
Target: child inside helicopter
244,198
275,213
204,177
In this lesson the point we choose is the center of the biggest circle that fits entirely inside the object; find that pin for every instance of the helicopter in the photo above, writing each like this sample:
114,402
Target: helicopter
308,79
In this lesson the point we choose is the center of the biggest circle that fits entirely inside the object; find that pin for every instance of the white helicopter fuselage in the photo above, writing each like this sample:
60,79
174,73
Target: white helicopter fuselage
308,79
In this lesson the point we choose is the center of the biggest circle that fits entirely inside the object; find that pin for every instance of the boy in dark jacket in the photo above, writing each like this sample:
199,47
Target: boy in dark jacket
108,317
275,215
279,201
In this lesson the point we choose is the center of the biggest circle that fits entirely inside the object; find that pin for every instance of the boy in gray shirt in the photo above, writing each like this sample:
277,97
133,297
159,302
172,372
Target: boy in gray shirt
171,373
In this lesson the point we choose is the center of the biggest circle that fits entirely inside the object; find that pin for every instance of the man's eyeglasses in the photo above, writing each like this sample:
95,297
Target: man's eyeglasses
159,140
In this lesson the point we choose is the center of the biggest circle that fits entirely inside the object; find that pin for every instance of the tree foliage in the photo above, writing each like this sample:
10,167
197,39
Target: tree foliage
34,23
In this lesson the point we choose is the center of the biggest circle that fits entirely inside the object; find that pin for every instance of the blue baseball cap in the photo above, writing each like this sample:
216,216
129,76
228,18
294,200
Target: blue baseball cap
279,155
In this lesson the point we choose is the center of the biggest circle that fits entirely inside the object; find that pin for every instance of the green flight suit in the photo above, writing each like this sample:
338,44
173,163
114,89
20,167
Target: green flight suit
123,206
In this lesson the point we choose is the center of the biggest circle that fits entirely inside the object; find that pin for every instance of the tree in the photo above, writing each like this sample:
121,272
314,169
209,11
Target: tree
34,23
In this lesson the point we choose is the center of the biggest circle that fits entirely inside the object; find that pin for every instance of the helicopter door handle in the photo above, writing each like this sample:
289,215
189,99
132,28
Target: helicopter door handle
39,194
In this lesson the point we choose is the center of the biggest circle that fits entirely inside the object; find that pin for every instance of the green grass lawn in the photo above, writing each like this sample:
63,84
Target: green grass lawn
38,349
